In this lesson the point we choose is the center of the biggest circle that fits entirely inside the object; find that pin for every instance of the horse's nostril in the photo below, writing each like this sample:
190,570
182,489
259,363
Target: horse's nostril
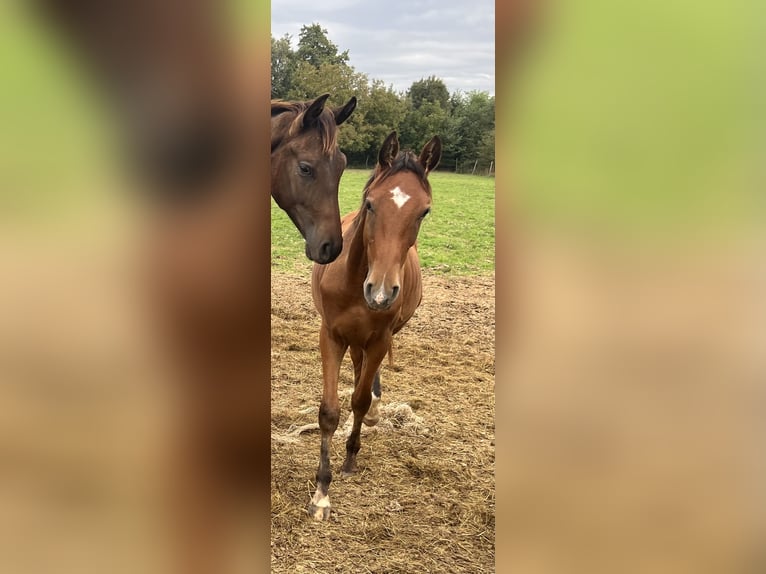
335,248
394,292
325,251
368,291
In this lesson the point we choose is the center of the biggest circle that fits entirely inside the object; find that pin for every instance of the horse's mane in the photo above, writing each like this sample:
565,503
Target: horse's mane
325,122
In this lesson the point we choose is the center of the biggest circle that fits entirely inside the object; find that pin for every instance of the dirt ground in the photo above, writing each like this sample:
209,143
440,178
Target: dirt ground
424,499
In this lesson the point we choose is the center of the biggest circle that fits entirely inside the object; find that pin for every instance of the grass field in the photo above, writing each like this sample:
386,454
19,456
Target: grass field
457,237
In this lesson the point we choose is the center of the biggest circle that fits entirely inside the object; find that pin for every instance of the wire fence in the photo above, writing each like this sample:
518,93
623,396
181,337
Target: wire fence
473,167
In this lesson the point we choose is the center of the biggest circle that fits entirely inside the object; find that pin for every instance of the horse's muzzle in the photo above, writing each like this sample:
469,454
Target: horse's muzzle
327,252
380,299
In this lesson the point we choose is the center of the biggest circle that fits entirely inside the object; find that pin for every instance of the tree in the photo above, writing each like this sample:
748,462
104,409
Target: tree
486,151
283,64
315,48
465,122
430,89
422,123
341,82
384,111
452,138
472,119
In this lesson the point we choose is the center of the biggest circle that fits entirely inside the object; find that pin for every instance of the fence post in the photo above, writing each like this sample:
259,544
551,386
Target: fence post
473,171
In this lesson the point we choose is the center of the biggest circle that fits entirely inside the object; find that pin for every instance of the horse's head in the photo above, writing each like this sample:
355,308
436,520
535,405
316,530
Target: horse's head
396,199
306,166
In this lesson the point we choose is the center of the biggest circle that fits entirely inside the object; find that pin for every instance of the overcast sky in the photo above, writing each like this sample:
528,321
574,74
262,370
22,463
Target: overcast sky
400,41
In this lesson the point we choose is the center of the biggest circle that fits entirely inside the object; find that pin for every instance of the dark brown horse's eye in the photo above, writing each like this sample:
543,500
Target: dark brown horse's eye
368,206
426,212
305,169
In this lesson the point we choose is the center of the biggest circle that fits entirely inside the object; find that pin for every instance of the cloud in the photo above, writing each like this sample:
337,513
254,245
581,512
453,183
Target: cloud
401,42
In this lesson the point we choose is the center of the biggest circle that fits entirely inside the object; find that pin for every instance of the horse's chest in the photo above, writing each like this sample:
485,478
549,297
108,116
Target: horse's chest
358,326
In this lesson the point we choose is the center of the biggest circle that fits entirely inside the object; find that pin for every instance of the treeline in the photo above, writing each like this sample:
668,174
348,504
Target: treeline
464,121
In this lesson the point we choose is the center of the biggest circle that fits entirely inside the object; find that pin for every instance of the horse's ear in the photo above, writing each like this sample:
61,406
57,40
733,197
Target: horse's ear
431,154
314,110
342,114
388,150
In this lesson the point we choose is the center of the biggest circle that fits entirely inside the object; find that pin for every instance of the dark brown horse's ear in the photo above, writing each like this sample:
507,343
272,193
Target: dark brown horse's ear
431,154
342,114
388,150
313,112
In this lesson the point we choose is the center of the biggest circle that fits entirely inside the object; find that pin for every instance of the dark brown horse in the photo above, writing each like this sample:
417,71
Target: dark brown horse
306,165
369,293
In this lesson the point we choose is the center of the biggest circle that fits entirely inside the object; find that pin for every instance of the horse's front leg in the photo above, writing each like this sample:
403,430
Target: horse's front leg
329,412
361,399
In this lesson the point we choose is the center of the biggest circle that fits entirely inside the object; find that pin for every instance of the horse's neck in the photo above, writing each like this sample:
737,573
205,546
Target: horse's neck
356,262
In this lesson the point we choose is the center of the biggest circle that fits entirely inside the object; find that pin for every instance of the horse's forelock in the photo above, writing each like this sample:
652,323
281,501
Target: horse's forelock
405,161
328,130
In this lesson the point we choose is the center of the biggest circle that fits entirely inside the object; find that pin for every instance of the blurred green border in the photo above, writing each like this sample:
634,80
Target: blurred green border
638,120
57,155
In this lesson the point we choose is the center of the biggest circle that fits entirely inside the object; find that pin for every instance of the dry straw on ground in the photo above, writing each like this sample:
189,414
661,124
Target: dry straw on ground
424,499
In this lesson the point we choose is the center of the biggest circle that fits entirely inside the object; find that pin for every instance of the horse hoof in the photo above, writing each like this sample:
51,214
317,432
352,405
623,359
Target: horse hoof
349,470
371,421
321,513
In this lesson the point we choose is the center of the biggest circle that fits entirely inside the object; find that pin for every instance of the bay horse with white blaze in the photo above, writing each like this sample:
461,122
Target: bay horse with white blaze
369,293
306,166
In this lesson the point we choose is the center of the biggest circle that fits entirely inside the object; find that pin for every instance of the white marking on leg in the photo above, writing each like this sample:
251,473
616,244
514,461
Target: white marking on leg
320,502
373,413
399,197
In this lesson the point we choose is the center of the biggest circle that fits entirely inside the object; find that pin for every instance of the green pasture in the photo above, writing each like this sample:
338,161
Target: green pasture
458,236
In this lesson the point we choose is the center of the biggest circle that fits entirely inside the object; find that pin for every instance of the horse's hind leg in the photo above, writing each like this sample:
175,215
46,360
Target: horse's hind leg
357,358
360,402
373,413
329,412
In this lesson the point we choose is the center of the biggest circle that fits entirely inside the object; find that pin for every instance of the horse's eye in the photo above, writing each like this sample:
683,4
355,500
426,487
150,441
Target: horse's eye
305,169
368,206
426,212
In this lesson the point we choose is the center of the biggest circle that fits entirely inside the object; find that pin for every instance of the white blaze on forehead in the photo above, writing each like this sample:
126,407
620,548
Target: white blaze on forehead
399,197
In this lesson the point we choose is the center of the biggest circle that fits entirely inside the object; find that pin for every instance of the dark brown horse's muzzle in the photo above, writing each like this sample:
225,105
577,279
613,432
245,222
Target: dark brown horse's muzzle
324,251
323,245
